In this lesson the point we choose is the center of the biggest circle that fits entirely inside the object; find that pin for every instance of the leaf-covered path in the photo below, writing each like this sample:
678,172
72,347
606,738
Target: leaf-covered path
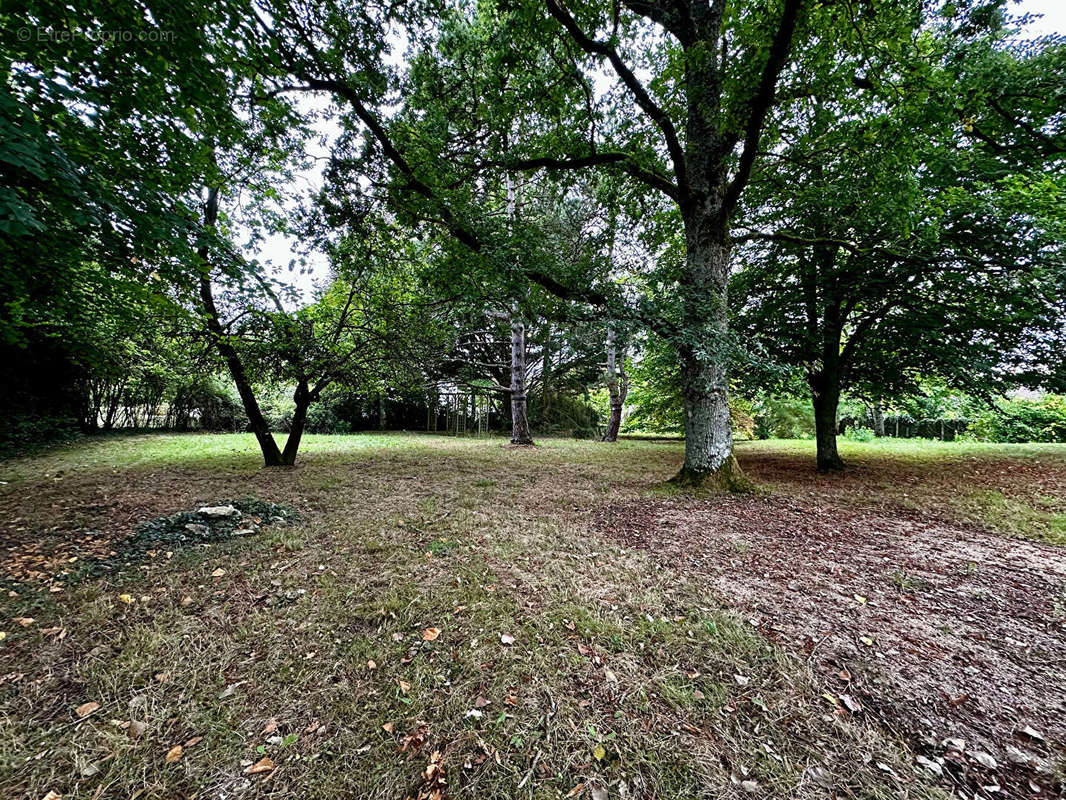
951,635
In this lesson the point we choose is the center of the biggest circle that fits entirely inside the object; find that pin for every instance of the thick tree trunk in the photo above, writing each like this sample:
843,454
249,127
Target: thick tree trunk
825,394
614,421
879,420
381,412
709,457
256,420
519,420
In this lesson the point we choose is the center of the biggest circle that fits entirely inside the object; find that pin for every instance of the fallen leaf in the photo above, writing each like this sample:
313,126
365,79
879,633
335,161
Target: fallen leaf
405,687
984,759
52,796
866,640
126,598
598,791
270,727
3,635
218,573
58,632
259,767
136,729
85,709
506,638
481,701
186,601
742,680
389,727
853,705
599,753
194,740
859,599
1032,734
371,664
576,790
173,754
25,622
429,634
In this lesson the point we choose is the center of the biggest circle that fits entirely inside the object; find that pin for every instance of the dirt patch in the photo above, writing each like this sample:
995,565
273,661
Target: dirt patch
89,554
953,637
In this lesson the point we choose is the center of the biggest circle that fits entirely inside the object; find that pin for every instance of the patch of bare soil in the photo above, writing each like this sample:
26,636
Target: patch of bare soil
949,635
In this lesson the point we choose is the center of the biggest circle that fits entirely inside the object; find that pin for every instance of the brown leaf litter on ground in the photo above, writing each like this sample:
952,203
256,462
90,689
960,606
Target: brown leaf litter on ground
950,635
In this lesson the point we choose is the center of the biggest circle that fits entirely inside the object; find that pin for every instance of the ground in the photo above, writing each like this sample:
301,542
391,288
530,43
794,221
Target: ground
454,616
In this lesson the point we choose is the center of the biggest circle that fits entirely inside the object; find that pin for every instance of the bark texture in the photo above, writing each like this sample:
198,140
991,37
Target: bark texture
704,369
879,420
519,419
825,394
617,388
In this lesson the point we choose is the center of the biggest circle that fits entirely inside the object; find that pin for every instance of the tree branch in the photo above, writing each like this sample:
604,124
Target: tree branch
760,104
624,161
636,89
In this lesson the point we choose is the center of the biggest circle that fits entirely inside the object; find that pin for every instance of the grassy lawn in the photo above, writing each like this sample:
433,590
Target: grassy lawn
448,616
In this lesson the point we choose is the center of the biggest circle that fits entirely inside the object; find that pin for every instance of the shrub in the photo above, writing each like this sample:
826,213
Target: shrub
322,418
1039,420
859,435
23,433
784,419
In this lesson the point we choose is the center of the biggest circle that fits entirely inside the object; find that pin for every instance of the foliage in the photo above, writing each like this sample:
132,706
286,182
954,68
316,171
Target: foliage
567,415
24,433
859,435
1023,420
783,418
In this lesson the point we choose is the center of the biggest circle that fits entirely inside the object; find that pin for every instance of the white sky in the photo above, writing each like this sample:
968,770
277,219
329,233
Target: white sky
279,251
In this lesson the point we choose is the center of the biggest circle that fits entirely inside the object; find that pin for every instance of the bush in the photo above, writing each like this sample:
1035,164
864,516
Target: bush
1041,420
322,418
566,416
23,434
859,435
206,403
784,419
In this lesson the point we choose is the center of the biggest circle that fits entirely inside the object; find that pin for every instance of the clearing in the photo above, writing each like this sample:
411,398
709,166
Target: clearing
448,616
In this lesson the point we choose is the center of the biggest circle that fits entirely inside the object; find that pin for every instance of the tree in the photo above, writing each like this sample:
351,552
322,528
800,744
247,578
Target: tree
617,386
714,76
100,158
902,250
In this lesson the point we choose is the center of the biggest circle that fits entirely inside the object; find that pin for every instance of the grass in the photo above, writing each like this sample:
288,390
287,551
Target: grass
313,644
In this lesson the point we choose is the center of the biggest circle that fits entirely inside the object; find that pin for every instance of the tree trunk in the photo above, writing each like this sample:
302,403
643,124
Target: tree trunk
256,420
879,420
709,457
614,422
519,420
303,399
825,394
381,412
